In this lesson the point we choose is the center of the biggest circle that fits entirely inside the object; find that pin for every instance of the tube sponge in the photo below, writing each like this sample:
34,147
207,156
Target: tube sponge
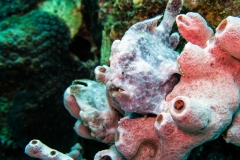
190,115
229,31
37,149
190,25
102,74
111,153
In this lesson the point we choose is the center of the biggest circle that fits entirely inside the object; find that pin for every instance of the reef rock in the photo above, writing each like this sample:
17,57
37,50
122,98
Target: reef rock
201,106
143,81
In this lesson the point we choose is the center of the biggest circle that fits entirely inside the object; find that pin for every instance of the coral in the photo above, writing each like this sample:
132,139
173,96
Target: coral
6,139
200,107
12,7
36,67
26,47
164,117
68,11
36,55
29,54
202,104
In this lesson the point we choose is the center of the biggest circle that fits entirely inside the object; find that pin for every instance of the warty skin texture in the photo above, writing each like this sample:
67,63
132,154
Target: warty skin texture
143,67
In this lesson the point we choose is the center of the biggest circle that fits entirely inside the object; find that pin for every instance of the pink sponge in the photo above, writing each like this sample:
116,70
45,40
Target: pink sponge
194,28
228,36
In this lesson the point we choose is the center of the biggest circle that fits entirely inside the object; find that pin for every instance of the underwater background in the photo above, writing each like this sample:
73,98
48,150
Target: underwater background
46,44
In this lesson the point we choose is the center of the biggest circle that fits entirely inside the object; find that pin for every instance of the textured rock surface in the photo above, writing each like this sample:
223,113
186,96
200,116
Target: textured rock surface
25,50
68,11
9,8
199,108
30,56
36,67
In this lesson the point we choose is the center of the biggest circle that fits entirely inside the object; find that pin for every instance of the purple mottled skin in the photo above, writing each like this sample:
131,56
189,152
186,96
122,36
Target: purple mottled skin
143,65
